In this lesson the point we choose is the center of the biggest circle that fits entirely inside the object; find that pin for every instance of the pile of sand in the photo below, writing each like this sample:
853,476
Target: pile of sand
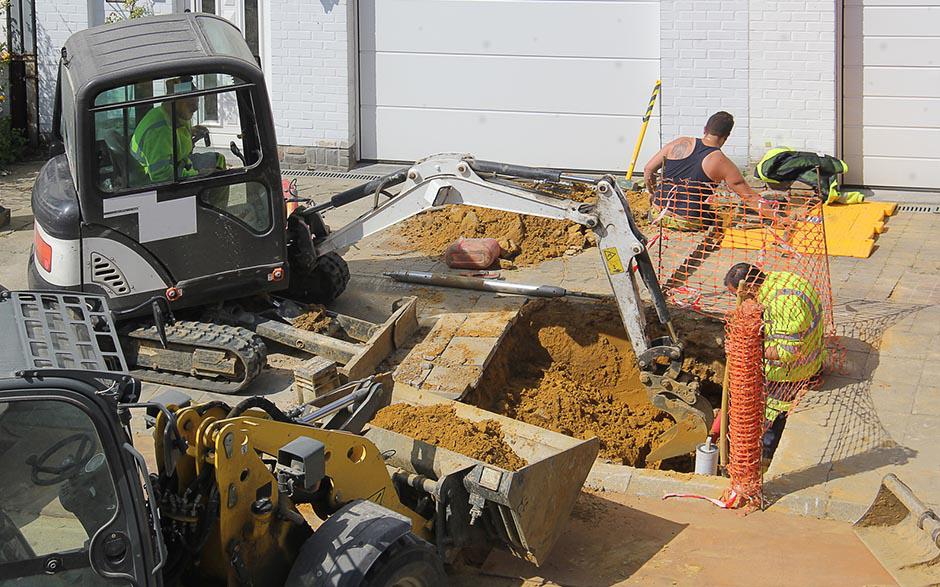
314,320
439,425
569,367
523,240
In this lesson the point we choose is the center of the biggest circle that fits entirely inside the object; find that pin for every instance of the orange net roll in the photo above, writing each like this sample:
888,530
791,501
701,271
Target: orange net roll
744,347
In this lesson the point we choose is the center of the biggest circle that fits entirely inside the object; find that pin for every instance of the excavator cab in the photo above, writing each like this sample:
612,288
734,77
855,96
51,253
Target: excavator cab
168,185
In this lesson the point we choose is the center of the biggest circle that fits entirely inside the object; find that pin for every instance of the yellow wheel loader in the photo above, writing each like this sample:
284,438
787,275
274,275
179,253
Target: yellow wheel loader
242,494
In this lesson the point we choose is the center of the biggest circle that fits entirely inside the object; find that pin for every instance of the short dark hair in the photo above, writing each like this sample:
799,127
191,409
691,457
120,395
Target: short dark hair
750,274
720,124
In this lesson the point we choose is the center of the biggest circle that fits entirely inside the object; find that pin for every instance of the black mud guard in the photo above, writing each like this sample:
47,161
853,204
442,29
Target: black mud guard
342,550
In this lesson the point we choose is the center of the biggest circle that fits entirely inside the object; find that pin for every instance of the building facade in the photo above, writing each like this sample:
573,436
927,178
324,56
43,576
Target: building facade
565,84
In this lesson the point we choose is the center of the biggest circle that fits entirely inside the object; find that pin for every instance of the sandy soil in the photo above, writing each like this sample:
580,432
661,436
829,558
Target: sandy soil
569,367
524,240
314,320
440,426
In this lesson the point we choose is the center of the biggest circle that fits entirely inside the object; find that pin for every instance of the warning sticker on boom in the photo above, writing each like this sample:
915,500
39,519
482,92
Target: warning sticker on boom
612,258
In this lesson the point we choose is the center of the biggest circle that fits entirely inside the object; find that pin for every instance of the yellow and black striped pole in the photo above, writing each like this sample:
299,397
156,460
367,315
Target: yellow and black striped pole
646,121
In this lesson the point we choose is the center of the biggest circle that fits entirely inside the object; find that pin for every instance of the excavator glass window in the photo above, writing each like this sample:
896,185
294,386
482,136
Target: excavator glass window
173,130
56,492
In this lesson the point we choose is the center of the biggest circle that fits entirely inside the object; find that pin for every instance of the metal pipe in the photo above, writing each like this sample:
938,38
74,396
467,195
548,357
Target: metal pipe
491,285
419,482
335,406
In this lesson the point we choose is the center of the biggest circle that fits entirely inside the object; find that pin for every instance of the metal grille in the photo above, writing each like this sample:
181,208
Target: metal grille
329,174
920,208
106,273
67,331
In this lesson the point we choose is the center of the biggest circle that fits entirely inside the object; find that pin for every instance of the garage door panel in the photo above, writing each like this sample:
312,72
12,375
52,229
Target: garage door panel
484,27
891,82
891,142
892,112
886,171
520,84
554,140
917,52
895,21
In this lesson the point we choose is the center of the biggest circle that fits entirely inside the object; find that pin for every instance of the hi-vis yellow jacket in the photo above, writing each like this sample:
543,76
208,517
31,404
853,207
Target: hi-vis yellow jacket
793,325
152,146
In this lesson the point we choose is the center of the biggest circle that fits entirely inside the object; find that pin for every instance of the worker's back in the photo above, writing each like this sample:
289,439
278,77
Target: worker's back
794,326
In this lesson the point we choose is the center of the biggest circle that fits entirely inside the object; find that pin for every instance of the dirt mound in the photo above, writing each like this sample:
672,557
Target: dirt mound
314,320
439,425
568,366
523,240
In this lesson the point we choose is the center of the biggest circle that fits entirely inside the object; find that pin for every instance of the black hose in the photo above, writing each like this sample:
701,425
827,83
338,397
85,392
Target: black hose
261,403
520,171
363,190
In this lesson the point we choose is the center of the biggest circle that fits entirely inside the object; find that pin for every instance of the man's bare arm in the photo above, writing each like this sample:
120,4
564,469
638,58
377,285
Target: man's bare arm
652,169
719,168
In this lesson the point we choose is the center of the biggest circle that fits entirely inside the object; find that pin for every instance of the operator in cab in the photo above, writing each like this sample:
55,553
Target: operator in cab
794,341
692,169
152,142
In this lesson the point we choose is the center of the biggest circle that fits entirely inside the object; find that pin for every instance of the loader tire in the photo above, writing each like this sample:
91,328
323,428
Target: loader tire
317,280
409,562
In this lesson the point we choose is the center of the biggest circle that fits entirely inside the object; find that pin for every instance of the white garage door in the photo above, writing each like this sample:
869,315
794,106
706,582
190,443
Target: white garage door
891,89
554,83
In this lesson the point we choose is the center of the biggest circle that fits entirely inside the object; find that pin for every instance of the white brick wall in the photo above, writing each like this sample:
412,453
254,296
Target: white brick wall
55,22
312,73
770,63
704,64
792,75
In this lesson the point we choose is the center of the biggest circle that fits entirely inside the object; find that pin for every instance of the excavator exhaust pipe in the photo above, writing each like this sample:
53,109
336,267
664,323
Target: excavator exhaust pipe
902,533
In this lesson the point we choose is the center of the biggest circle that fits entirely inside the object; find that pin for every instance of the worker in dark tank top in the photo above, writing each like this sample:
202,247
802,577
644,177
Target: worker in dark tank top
692,169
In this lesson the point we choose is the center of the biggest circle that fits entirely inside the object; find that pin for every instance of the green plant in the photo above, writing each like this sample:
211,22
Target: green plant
12,142
130,9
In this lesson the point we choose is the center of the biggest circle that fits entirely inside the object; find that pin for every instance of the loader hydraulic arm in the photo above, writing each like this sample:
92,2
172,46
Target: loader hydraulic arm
460,179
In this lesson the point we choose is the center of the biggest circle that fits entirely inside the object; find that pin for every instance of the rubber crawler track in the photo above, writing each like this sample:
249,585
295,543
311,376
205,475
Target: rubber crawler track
235,341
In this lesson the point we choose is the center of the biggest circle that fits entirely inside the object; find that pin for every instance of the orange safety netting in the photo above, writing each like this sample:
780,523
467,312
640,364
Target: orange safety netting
744,348
697,232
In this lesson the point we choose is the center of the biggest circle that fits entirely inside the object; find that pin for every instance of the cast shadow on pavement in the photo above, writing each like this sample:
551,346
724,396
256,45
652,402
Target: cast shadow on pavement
592,549
856,439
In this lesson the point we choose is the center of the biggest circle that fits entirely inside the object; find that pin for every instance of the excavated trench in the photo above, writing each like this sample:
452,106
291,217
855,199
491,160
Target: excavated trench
569,367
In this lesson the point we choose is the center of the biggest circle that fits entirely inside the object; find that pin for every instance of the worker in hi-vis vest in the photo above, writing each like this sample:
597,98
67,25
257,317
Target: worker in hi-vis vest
794,341
152,142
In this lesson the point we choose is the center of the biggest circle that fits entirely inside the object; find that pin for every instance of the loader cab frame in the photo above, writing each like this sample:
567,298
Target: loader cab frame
71,499
204,221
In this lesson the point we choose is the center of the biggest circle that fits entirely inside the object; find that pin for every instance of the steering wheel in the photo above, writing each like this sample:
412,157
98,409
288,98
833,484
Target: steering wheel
70,466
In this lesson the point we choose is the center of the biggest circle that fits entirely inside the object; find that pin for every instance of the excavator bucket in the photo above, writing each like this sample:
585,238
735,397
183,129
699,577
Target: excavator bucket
902,533
526,509
693,424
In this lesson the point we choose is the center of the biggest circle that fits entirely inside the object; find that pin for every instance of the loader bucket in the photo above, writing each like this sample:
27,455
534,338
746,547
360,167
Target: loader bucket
527,508
902,533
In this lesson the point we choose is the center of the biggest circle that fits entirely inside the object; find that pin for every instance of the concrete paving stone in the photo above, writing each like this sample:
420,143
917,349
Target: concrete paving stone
921,435
897,370
893,425
899,343
927,400
451,382
464,350
895,397
931,371
486,324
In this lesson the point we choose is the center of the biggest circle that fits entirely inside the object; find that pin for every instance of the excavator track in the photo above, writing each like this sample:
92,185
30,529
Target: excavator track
198,355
